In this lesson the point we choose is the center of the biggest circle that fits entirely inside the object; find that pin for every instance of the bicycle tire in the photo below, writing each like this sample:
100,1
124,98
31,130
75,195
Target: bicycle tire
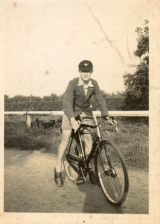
71,173
112,173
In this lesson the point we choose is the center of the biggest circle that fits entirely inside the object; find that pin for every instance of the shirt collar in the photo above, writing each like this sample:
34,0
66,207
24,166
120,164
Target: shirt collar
80,83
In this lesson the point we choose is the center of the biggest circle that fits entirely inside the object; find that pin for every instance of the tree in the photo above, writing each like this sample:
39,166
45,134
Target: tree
137,84
6,98
17,98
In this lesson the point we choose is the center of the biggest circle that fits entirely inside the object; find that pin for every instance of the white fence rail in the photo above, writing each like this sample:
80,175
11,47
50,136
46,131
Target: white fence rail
97,113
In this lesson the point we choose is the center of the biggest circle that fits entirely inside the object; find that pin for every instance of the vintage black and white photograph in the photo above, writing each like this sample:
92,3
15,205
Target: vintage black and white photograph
76,108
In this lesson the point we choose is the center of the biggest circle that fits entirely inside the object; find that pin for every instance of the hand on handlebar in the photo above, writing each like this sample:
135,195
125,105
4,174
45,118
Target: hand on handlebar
75,124
111,121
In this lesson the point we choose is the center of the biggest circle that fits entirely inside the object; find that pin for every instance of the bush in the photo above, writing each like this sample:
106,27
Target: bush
17,135
35,106
133,140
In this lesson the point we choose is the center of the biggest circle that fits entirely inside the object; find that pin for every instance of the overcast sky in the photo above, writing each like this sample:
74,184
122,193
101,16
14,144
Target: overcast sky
46,40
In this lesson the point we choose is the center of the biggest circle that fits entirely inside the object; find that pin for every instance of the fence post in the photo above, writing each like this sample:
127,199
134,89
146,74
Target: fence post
28,120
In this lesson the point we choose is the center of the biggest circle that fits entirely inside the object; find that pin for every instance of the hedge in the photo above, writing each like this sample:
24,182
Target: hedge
56,105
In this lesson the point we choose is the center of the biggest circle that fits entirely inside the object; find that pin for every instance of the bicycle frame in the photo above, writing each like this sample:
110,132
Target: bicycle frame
82,157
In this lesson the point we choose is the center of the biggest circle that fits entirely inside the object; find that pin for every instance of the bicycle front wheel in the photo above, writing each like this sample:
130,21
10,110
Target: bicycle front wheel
71,173
112,173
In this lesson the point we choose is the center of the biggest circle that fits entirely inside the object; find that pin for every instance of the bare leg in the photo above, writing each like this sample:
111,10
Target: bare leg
88,146
62,147
88,143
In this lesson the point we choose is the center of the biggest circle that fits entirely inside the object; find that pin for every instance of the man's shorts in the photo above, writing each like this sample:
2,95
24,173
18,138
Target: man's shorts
66,125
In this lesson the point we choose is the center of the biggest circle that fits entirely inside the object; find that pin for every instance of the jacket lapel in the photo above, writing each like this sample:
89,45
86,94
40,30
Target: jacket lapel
81,89
90,89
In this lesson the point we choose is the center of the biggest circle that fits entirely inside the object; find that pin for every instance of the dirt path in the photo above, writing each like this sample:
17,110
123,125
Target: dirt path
29,187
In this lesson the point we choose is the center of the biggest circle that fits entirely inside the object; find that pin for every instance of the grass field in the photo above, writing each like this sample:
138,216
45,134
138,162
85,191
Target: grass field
132,139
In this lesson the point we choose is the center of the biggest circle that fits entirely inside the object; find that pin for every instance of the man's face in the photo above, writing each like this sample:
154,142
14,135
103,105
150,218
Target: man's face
85,76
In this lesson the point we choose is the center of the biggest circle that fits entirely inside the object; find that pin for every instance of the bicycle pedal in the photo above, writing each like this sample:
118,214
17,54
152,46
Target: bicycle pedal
78,182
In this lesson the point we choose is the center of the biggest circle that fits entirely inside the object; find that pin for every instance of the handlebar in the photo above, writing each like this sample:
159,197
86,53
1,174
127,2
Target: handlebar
115,123
81,118
112,122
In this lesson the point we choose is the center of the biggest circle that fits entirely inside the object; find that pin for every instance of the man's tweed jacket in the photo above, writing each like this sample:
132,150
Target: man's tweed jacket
75,101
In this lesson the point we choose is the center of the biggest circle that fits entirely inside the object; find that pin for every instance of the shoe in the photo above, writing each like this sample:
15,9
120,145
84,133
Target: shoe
92,177
58,178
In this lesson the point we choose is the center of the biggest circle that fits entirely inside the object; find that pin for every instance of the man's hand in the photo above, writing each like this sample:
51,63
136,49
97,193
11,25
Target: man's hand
111,121
74,123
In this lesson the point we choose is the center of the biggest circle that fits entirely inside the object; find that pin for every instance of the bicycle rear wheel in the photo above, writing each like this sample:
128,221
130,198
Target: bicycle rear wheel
71,173
112,173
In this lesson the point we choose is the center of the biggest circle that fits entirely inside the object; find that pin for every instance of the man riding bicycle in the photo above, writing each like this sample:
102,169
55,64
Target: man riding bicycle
76,101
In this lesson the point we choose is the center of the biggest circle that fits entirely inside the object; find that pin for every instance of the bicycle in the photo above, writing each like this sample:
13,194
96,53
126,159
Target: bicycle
110,168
